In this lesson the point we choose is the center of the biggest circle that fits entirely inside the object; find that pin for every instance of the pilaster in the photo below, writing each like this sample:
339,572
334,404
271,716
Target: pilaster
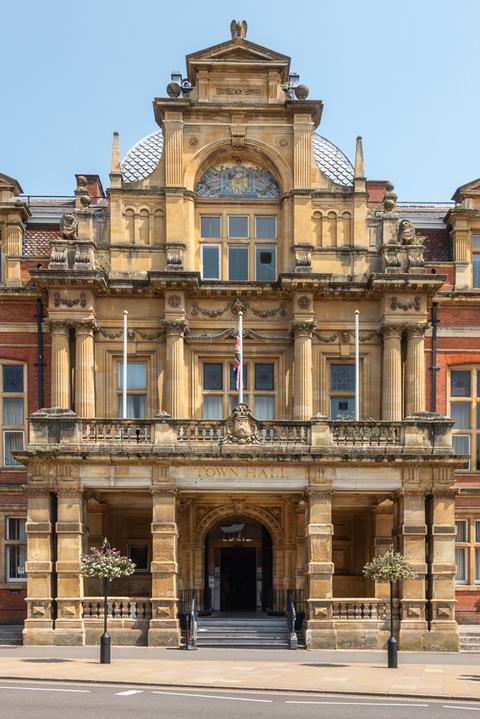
411,531
164,628
443,634
38,628
320,633
70,530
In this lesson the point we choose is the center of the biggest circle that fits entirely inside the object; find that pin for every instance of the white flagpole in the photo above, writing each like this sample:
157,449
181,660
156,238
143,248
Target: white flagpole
240,369
357,368
125,358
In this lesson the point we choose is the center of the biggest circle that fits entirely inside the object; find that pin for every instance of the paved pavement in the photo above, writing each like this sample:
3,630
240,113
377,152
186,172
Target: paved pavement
42,701
422,675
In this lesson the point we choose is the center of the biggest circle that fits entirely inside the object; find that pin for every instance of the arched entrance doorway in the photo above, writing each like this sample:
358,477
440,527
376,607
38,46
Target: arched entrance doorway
238,566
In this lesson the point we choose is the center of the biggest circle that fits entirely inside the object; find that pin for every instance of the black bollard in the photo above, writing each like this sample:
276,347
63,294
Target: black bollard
105,648
392,650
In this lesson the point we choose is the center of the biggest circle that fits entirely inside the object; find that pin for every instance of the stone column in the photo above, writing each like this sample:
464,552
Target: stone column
302,370
411,532
443,634
13,252
60,332
415,371
70,530
320,632
38,628
383,540
164,627
175,369
85,369
392,374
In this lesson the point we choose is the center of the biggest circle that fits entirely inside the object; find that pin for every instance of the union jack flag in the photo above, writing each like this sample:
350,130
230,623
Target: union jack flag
237,360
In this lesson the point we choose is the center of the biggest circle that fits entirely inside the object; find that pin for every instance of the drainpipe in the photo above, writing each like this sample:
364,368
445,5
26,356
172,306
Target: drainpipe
429,560
434,369
54,555
39,318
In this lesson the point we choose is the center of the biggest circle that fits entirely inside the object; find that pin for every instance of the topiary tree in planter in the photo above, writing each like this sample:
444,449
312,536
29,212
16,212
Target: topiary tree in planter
107,564
390,567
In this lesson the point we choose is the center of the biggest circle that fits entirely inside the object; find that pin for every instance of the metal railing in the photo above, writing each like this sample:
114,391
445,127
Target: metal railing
292,620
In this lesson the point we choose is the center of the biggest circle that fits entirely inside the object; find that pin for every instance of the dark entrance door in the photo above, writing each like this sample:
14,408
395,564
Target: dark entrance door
238,591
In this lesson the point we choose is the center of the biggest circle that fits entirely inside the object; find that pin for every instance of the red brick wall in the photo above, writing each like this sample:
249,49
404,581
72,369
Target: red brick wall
21,347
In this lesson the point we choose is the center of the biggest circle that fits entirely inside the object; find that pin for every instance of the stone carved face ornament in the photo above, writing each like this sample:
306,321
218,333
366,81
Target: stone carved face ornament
406,233
68,226
241,427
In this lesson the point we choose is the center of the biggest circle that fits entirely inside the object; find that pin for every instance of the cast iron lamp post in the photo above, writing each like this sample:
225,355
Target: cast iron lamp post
105,638
105,563
390,567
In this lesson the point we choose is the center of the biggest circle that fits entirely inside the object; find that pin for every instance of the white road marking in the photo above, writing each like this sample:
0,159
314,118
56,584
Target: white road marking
48,689
213,696
361,704
129,692
468,709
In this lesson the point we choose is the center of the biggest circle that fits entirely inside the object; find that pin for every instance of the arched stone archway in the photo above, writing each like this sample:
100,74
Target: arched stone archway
252,150
229,512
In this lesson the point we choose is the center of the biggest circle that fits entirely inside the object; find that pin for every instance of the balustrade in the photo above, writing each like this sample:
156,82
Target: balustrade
362,609
118,608
367,434
102,430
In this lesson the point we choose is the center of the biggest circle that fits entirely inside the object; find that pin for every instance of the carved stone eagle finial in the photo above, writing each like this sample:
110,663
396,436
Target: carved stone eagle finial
238,29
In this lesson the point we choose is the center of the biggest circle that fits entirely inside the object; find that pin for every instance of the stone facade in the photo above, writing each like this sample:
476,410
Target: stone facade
235,204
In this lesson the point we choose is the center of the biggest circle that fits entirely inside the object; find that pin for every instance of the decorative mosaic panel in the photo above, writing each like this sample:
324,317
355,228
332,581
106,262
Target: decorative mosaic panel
238,179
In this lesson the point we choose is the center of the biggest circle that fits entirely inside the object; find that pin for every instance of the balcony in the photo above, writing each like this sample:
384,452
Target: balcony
63,432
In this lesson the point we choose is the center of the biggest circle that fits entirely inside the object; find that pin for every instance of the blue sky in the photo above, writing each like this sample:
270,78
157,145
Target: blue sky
403,74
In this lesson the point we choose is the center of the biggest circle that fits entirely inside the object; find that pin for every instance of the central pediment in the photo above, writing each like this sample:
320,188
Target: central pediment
237,51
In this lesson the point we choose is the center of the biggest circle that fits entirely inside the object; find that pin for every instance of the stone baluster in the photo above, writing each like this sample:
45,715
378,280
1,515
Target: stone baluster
392,374
164,627
60,331
85,369
320,632
70,530
302,370
175,393
415,371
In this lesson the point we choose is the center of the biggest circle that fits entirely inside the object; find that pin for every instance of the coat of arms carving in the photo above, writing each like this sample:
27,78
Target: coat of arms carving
240,427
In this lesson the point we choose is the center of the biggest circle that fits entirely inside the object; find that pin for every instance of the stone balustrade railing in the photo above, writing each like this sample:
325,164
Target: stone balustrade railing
118,608
62,430
360,609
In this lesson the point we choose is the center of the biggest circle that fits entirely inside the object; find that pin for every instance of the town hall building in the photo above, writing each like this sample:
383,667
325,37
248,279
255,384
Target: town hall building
237,206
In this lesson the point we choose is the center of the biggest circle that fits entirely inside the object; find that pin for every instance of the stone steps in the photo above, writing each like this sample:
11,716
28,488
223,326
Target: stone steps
469,638
242,632
11,634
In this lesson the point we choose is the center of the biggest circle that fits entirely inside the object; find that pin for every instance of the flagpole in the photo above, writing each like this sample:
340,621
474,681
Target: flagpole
357,368
124,369
240,369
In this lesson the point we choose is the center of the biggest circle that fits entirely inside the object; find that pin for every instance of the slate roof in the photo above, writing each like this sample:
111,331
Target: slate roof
141,160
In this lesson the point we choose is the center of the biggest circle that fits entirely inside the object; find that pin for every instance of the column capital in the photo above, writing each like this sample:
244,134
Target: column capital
320,494
60,326
176,328
392,330
416,330
302,329
86,327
